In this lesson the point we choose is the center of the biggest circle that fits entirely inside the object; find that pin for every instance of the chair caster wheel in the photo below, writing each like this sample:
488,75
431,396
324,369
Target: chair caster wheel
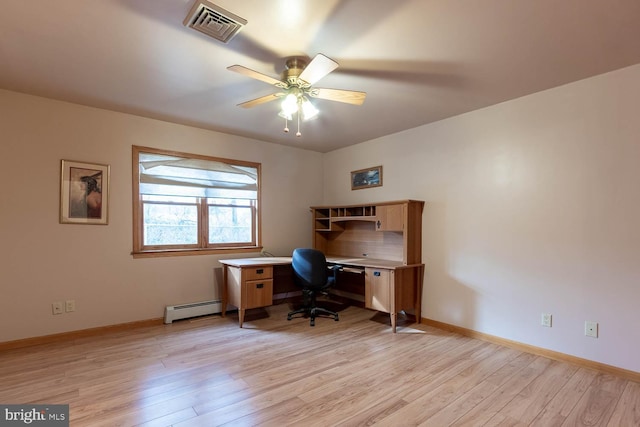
336,319
288,317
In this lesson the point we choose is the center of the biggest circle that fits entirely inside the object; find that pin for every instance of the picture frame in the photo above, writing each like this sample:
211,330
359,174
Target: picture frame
366,178
84,193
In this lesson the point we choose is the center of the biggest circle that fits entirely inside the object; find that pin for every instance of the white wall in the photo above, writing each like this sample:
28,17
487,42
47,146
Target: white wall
42,261
532,206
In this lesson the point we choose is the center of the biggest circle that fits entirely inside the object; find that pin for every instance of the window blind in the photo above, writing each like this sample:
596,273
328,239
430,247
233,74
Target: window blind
177,176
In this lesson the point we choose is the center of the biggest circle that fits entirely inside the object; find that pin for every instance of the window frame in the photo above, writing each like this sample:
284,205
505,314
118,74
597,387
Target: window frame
254,214
202,247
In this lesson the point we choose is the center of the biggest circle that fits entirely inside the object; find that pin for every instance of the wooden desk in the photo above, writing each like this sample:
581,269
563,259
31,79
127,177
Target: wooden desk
390,286
248,282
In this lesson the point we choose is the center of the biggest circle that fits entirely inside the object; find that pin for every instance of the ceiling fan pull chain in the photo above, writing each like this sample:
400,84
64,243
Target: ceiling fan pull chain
298,134
286,128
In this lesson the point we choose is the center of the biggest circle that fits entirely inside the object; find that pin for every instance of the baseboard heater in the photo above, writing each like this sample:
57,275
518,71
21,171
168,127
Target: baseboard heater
185,311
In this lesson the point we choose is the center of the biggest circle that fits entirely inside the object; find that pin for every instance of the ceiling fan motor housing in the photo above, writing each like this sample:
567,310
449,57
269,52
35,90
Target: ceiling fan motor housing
293,68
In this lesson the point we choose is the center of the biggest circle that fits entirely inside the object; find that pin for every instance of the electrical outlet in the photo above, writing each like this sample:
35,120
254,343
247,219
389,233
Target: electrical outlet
545,320
591,329
70,305
57,307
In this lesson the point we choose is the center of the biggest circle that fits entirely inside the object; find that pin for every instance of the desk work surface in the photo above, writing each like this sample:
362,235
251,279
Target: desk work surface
248,262
367,262
359,262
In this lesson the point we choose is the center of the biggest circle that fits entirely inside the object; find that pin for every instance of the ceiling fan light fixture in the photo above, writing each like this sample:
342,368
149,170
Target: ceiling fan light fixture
309,111
296,103
289,105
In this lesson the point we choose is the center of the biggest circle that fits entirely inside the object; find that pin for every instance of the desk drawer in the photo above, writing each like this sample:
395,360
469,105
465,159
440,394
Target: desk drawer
258,293
257,273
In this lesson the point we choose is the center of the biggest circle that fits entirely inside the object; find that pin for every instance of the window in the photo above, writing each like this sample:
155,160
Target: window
187,204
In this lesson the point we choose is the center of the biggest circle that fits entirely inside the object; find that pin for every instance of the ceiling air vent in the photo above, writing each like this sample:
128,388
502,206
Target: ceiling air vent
214,21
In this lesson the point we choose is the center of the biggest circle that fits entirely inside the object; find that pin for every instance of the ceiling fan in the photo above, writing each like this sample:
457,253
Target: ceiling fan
296,86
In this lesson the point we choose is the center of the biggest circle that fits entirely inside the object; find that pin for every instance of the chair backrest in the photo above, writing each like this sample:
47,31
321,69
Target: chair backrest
310,268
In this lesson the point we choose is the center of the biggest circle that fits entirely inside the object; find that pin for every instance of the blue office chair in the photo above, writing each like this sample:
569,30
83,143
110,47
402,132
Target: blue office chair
310,272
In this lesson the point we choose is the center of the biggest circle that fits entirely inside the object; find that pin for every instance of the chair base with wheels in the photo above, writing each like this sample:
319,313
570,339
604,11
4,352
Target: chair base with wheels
311,309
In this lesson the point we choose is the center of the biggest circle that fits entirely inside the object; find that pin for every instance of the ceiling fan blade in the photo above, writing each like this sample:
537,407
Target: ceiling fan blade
346,96
319,67
254,74
261,100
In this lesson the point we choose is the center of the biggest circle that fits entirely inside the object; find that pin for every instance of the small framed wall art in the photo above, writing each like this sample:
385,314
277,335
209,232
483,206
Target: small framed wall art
366,178
84,193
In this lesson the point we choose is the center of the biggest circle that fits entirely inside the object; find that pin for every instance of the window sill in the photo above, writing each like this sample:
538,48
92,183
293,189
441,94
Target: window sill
193,252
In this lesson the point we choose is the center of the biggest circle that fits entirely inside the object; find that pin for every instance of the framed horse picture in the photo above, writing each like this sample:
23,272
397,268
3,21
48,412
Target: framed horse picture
84,193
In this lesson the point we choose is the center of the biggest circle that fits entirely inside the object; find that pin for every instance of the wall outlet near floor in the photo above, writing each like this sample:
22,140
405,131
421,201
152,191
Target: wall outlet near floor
57,307
545,319
591,329
70,305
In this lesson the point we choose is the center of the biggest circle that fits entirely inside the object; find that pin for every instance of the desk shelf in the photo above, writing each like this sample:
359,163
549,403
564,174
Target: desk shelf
327,219
353,211
352,218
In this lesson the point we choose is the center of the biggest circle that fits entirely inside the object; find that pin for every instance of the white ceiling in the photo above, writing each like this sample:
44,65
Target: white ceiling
418,60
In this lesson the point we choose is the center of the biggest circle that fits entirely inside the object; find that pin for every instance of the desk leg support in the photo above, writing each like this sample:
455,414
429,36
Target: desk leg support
225,295
394,318
419,285
241,316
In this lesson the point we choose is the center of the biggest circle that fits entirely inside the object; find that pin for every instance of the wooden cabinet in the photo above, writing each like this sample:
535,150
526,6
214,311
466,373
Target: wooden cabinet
394,290
248,287
390,217
377,285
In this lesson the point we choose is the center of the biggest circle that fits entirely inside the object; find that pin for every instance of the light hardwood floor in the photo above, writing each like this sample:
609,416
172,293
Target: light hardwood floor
208,372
